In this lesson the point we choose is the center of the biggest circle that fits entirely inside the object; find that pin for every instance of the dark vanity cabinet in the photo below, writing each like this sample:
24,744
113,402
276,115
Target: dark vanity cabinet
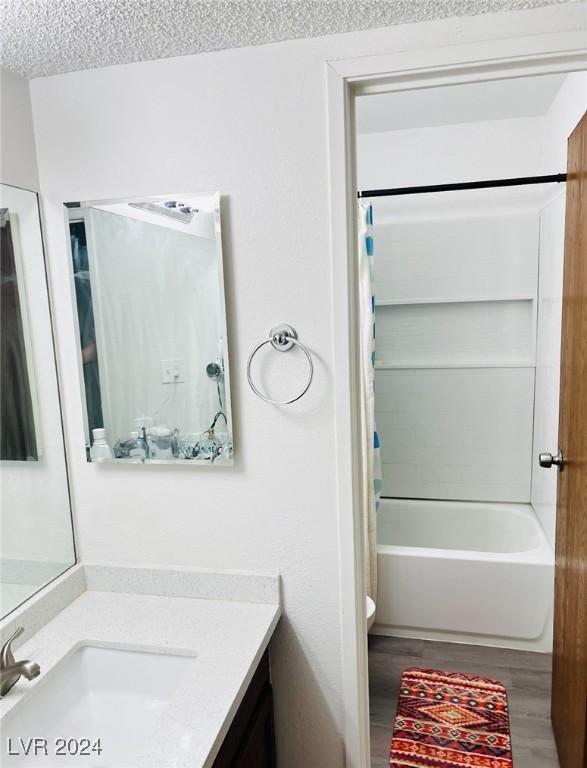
250,741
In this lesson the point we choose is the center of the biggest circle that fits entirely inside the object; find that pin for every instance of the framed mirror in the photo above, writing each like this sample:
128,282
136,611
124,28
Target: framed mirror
148,283
36,536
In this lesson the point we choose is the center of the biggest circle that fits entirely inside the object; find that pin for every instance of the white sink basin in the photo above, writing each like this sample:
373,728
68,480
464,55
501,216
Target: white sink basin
110,694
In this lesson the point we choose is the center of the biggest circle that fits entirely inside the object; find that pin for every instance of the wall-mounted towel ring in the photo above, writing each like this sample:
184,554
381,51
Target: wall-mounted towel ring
282,338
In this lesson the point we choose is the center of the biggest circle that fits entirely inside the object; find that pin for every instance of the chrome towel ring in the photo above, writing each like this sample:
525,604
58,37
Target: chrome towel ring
282,337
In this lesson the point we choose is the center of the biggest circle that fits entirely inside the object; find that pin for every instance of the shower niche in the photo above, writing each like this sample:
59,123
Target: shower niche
148,288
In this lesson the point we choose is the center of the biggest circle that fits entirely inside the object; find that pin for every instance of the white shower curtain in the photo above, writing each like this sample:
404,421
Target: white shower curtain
371,464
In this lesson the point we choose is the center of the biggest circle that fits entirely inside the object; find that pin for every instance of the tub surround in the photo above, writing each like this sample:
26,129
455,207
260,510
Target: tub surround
210,616
464,572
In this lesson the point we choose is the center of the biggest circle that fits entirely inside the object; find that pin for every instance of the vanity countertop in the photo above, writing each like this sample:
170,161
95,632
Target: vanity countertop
227,637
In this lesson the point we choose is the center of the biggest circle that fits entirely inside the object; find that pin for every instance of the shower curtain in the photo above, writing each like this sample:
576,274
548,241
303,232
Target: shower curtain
371,484
18,437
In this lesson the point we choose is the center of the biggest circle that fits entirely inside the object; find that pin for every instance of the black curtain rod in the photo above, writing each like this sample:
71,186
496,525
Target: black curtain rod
553,178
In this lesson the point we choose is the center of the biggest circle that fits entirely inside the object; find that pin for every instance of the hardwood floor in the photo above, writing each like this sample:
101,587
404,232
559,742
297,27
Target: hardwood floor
526,676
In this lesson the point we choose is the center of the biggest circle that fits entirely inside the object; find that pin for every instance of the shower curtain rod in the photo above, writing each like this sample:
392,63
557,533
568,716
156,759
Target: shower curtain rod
553,178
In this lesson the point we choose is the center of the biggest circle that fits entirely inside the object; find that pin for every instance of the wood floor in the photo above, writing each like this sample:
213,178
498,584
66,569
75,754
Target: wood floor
526,676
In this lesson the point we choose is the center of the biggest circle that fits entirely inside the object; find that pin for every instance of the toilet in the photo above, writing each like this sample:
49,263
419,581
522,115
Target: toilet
370,612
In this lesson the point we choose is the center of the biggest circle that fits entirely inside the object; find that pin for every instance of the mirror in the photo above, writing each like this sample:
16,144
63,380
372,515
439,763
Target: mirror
19,422
147,277
37,537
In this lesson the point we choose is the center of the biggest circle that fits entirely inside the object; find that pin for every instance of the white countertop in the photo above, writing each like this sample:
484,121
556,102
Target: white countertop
227,637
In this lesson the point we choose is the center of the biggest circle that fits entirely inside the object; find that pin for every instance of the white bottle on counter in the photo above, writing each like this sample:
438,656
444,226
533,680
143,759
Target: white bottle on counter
100,449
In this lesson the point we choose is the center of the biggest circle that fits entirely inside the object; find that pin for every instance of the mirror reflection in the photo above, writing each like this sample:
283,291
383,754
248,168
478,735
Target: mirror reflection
36,542
149,291
18,437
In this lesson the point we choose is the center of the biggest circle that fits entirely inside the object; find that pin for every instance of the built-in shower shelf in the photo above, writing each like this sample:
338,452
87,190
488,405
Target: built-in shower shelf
466,334
460,364
451,300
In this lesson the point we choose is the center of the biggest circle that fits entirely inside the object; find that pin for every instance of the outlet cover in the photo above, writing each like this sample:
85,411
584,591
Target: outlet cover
172,372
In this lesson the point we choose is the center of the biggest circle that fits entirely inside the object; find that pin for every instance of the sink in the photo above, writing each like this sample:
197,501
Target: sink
112,694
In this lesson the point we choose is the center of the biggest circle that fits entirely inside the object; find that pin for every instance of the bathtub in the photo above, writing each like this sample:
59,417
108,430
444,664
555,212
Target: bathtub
464,572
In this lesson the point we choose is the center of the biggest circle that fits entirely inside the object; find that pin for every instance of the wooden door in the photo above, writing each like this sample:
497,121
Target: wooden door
569,684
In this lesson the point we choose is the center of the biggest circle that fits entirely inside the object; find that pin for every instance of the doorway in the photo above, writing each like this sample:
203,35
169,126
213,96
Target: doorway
428,342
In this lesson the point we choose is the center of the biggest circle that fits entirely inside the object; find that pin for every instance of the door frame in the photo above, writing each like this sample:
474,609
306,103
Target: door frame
544,41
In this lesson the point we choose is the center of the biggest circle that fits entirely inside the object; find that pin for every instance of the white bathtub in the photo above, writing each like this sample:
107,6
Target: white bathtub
465,572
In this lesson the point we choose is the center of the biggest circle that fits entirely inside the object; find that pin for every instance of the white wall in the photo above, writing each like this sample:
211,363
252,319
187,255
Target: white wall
490,149
521,146
563,115
18,159
251,123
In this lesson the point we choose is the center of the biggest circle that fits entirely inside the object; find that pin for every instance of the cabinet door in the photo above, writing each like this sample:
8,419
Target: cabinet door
258,749
250,741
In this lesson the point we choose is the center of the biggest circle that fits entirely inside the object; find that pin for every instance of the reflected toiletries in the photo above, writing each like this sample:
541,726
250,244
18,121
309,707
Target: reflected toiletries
100,448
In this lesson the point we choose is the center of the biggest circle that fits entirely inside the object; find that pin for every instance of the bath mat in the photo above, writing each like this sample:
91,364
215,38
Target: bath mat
449,720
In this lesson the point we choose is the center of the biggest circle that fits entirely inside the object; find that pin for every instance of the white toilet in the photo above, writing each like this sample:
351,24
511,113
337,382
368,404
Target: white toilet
370,612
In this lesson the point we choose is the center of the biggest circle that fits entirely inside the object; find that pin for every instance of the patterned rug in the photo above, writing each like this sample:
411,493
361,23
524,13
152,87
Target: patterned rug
450,721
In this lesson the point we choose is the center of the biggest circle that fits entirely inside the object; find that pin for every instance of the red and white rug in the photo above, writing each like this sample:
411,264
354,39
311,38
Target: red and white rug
449,720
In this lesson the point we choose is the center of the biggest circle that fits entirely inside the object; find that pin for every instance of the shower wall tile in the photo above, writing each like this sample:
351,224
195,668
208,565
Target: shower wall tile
544,483
456,354
456,433
457,258
479,332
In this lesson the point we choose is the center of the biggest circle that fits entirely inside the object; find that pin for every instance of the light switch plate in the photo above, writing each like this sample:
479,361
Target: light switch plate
172,372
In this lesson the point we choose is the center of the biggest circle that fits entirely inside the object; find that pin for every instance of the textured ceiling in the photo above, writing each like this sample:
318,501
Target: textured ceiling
47,37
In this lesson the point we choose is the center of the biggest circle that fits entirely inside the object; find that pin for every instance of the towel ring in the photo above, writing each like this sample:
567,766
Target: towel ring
282,337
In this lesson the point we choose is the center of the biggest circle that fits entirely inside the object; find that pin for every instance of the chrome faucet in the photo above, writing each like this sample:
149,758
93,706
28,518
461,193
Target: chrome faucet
11,670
